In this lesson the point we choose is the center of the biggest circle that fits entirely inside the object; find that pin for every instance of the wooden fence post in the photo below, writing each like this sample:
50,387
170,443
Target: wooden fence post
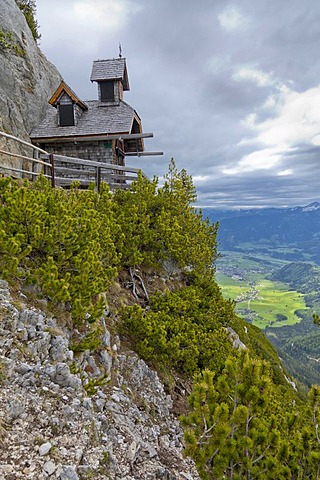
51,157
98,178
35,155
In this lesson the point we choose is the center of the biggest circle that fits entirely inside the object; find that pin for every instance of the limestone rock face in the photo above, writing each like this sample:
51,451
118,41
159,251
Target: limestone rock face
74,416
27,80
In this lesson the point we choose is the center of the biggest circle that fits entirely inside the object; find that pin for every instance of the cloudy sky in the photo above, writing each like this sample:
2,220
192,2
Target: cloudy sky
231,90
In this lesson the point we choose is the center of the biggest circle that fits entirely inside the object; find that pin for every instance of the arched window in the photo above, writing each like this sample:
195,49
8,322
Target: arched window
66,111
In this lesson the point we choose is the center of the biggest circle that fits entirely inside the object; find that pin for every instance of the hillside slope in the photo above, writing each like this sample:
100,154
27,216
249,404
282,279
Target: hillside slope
127,265
112,420
304,277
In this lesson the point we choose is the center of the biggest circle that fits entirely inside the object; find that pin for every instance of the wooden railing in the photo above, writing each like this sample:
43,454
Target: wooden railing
87,171
62,170
33,160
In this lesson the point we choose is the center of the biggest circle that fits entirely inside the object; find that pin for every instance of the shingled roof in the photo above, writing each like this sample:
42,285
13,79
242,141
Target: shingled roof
63,87
112,69
97,120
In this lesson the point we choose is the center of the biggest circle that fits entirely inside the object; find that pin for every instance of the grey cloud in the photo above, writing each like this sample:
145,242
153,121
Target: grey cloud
196,111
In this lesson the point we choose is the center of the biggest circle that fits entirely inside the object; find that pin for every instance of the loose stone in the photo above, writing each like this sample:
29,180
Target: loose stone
45,448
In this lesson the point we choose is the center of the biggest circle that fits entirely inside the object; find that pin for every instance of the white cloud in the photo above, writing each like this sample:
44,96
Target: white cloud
90,22
106,15
295,122
270,103
198,179
250,73
259,160
285,173
250,120
316,140
232,19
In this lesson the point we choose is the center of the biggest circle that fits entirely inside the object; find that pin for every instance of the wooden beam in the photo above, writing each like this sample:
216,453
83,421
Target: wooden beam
24,157
72,171
63,181
142,154
91,138
2,134
85,174
91,163
67,181
12,169
81,161
114,176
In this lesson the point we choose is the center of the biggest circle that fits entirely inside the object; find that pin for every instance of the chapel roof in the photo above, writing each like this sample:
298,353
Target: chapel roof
111,69
98,119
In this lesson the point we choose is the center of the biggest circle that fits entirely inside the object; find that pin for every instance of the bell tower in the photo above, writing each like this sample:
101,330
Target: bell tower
112,79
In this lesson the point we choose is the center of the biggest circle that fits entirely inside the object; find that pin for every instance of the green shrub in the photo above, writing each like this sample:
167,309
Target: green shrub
92,386
60,240
90,342
159,224
183,329
7,43
72,243
28,8
240,425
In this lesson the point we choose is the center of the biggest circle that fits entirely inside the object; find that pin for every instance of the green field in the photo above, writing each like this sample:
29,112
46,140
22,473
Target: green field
231,288
270,304
260,301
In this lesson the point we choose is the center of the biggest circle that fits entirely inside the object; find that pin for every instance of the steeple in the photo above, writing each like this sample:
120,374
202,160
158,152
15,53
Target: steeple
112,78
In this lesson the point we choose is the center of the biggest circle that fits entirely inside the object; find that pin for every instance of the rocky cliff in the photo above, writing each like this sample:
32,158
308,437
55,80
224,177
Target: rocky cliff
27,79
80,415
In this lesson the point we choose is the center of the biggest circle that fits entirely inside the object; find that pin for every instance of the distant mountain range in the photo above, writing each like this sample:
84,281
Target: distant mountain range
288,233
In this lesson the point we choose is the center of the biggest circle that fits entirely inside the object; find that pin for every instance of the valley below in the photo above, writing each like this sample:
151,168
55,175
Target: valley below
260,300
269,265
284,313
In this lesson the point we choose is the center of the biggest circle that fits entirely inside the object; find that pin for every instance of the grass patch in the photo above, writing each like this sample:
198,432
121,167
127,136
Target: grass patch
231,287
276,305
260,301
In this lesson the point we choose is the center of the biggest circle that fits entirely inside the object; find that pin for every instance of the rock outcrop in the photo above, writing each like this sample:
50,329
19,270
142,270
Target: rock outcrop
67,416
27,79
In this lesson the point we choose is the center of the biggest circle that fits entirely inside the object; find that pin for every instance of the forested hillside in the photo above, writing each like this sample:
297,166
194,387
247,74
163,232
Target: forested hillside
304,277
299,343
